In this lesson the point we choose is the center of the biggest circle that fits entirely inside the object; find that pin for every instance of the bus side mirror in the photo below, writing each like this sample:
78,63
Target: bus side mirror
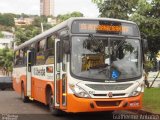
145,45
30,58
66,46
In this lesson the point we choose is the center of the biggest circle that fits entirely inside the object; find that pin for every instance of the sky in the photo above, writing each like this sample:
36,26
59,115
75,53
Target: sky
32,7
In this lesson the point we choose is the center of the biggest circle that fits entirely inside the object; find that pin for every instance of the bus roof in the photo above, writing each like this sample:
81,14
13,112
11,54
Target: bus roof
108,19
62,25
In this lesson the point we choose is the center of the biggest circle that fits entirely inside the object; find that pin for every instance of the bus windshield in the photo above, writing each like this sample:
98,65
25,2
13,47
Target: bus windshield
104,59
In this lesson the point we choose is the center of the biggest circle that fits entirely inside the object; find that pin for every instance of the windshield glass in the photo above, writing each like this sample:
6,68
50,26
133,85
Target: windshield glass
105,58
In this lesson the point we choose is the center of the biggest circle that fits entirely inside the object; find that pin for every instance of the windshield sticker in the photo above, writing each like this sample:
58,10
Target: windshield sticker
115,74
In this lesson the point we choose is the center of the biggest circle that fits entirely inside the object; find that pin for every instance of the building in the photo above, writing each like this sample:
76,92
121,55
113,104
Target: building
47,7
7,40
52,21
23,21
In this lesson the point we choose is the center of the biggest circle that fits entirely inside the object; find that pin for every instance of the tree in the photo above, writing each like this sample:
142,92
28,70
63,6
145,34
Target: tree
38,20
147,16
42,20
6,58
25,33
120,9
7,19
64,17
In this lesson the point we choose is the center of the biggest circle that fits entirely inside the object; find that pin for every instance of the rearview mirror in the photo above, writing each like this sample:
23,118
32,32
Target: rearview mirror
30,59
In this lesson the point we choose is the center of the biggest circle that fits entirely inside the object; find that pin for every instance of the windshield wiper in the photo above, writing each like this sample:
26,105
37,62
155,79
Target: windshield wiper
101,67
107,68
96,45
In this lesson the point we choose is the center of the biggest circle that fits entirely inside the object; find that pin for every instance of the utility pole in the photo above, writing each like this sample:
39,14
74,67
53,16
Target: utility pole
42,27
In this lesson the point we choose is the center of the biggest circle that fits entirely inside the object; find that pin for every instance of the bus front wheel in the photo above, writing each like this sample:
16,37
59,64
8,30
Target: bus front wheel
25,99
51,105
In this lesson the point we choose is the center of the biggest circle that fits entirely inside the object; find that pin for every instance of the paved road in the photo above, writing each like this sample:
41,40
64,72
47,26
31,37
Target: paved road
12,108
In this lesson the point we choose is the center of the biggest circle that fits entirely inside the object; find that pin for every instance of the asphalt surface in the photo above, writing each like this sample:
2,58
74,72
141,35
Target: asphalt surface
12,108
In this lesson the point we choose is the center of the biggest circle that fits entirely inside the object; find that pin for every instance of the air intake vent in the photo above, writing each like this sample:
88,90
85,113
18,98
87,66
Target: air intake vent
104,95
107,103
109,86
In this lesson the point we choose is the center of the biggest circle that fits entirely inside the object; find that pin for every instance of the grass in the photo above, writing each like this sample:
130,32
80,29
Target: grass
151,100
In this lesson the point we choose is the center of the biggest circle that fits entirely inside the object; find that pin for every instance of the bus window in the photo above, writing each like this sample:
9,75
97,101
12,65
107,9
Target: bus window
50,42
19,58
16,57
50,50
40,58
25,55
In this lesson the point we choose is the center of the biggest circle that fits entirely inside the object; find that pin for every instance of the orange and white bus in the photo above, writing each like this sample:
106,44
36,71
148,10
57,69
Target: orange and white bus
82,65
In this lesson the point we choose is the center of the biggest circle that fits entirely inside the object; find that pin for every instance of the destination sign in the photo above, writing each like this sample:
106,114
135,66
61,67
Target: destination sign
107,27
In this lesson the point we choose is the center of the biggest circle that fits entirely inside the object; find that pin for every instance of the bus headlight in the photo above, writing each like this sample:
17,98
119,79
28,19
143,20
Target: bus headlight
137,91
78,91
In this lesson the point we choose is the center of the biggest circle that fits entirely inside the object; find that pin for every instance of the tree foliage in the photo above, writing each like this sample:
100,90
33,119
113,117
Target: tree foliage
7,19
41,20
25,33
6,58
64,17
38,20
147,16
120,9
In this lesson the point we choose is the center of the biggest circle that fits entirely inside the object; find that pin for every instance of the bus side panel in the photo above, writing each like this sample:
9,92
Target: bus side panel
39,89
16,86
41,76
19,75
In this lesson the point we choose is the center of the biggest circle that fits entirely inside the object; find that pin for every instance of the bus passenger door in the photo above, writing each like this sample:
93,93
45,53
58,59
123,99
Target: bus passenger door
60,82
57,74
28,74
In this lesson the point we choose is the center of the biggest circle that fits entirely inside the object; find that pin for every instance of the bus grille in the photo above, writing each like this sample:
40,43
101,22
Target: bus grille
109,86
104,95
107,103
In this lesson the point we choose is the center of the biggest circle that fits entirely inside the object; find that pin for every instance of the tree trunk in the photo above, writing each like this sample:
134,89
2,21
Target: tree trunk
155,79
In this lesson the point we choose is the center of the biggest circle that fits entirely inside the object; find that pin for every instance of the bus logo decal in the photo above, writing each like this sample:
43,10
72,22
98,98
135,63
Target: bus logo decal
39,72
110,94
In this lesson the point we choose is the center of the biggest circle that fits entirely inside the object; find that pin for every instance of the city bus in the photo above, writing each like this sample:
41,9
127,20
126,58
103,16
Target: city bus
82,65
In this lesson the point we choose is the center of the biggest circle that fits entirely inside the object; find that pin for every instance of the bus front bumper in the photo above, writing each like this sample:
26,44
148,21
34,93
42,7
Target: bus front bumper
75,104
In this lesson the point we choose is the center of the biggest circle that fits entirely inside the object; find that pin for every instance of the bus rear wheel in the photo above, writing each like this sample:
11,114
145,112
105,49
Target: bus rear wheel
51,105
24,98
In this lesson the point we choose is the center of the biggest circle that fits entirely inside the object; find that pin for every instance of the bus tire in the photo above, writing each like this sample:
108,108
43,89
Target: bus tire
53,111
24,98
